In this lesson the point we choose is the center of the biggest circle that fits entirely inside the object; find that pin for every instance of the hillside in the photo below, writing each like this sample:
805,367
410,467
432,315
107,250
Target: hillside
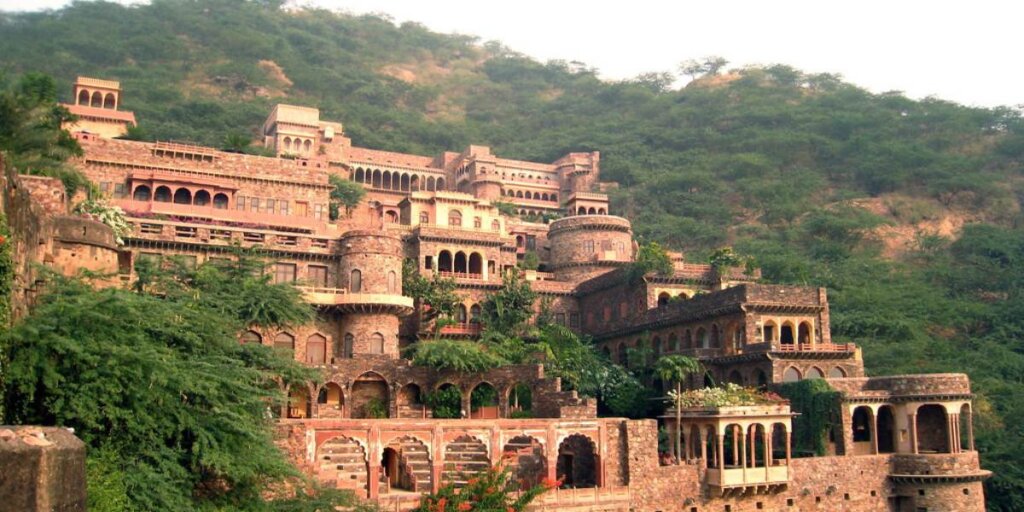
908,211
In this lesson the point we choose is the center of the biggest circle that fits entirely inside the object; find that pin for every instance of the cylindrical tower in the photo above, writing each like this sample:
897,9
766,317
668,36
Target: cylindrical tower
371,266
586,245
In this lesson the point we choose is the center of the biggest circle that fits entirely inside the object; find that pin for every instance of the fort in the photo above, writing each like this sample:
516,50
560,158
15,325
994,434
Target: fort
903,443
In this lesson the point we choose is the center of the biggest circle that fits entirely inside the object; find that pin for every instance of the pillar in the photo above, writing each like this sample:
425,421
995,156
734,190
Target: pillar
373,463
873,430
913,432
551,453
743,454
789,446
970,429
437,461
720,456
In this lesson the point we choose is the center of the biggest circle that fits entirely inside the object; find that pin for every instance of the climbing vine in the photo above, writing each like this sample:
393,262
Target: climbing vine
6,273
817,404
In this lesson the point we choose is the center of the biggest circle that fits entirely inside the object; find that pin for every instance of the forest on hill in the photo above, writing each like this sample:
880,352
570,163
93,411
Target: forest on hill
909,211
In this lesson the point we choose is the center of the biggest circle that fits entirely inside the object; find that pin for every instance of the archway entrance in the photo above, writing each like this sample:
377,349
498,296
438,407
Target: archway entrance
577,463
527,462
886,425
932,429
370,396
483,402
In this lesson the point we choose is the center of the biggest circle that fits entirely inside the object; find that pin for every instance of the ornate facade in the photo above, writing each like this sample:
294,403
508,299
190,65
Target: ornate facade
904,443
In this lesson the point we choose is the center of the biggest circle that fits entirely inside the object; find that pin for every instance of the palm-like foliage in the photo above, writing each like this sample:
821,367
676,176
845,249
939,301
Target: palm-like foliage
676,368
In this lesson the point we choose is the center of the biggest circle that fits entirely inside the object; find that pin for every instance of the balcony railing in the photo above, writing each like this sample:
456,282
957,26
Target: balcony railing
461,275
738,476
471,329
817,347
220,214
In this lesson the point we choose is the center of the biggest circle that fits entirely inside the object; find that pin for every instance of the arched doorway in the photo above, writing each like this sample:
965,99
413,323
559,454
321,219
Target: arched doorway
410,402
444,261
663,299
330,401
886,430
577,462
520,402
483,402
405,463
932,429
182,196
861,424
298,402
316,349
141,193
370,396
446,402
526,460
787,334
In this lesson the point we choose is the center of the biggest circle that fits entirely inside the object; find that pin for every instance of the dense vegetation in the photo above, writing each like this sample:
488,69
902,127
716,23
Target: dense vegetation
908,211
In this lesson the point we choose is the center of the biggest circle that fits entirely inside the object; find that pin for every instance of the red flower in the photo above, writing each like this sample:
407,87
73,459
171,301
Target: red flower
441,504
551,484
3,239
465,506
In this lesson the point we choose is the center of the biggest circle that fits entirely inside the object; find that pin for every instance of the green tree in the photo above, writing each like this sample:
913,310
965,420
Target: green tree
493,490
651,257
345,194
509,309
435,298
676,369
31,136
156,382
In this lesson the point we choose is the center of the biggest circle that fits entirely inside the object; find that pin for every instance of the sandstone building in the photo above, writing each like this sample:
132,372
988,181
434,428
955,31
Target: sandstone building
904,443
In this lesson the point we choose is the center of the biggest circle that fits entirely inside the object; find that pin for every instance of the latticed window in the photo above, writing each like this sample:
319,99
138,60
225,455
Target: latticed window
424,218
455,218
284,273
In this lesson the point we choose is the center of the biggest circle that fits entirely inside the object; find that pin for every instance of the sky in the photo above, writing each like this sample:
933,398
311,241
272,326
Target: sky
968,52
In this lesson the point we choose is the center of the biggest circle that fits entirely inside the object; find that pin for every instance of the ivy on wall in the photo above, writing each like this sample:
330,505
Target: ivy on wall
817,404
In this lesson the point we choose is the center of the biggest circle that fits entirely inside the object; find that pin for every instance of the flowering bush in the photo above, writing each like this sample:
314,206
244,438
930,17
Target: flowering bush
493,490
730,395
112,216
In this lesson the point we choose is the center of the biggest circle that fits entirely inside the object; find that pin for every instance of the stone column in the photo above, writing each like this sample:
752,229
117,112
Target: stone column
551,453
373,463
873,430
743,454
720,456
789,446
913,432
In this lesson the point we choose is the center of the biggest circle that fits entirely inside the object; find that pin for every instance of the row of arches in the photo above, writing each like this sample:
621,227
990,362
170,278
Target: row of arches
182,195
793,374
317,349
297,145
370,396
702,337
536,196
405,461
591,211
97,99
935,429
460,264
399,181
788,332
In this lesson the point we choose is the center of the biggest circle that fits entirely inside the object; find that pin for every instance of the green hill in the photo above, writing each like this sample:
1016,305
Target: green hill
908,211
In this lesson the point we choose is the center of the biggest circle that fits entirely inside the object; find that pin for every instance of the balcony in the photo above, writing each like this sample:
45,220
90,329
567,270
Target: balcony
323,296
216,214
733,476
469,329
816,347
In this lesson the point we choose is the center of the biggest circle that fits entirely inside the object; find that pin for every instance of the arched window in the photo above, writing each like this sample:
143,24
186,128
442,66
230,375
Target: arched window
836,373
815,373
287,143
591,211
251,337
424,218
355,281
440,183
474,314
460,314
316,349
220,201
787,334
663,299
495,225
376,343
307,146
716,336
476,264
83,97
791,375
460,262
108,101
702,338
359,175
141,193
455,218
805,334
392,282
349,346
581,211
673,342
202,198
478,223
97,100
182,196
430,183
861,424
284,341
163,195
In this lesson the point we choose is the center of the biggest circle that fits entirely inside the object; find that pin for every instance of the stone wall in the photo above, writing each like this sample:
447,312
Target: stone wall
43,470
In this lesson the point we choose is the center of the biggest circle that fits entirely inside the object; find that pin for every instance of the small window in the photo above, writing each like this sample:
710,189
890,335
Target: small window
269,205
284,273
253,237
392,282
355,282
574,320
220,234
119,190
318,211
184,231
376,343
240,203
424,218
254,204
284,207
284,341
588,246
151,229
455,218
319,243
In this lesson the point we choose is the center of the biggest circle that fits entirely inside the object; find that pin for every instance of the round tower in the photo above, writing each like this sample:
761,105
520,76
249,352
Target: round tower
586,245
371,265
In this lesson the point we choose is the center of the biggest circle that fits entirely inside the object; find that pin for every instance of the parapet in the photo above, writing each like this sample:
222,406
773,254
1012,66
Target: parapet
905,387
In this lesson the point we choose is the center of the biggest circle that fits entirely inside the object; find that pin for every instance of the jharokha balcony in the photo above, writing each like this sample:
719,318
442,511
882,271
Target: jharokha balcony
467,329
816,347
357,302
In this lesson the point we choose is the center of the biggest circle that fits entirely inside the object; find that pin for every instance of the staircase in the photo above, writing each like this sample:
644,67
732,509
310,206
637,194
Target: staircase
414,465
344,460
464,458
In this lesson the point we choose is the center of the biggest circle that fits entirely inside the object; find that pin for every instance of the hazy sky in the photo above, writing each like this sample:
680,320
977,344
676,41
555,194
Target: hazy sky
967,51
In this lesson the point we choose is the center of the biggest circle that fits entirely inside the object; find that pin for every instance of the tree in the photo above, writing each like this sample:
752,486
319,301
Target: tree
676,368
346,193
708,67
30,130
508,310
435,297
494,490
236,142
157,380
650,258
454,355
